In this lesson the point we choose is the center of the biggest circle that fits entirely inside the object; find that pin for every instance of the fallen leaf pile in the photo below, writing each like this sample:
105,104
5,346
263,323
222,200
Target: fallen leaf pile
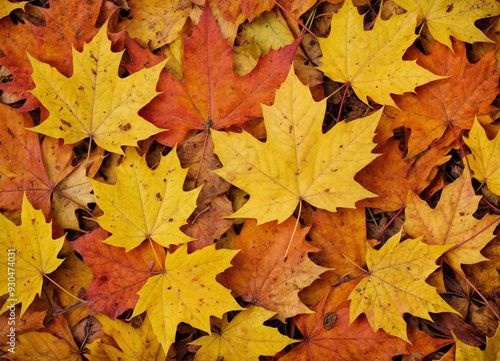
249,180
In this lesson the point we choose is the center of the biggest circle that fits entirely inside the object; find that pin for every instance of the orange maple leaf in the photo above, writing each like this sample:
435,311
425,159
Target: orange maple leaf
262,276
119,275
453,102
211,96
329,336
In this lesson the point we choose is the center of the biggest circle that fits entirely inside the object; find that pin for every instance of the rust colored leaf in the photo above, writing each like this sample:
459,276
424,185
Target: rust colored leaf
31,321
329,336
207,223
211,96
119,275
469,90
390,176
200,167
261,274
39,170
68,24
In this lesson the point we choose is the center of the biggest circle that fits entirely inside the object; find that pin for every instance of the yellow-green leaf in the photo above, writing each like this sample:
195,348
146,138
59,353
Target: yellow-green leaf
28,253
245,338
371,62
95,102
297,162
395,285
145,203
187,292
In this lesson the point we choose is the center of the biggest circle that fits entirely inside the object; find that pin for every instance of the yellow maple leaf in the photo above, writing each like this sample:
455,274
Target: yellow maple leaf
28,253
135,343
145,203
95,102
371,62
395,285
245,338
452,222
297,162
158,22
464,352
187,292
485,158
456,18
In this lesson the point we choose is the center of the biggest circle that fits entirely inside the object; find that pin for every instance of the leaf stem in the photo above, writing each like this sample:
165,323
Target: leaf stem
62,288
342,102
392,220
294,18
294,229
479,293
156,256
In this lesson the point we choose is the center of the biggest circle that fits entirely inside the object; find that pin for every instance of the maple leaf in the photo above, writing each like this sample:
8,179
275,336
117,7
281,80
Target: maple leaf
134,343
35,255
447,18
452,222
72,276
88,104
66,24
45,172
469,90
466,352
341,238
200,167
207,222
269,30
186,292
485,158
378,70
158,22
329,336
145,203
262,276
395,284
119,275
57,344
245,338
391,176
484,275
31,321
297,162
211,96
